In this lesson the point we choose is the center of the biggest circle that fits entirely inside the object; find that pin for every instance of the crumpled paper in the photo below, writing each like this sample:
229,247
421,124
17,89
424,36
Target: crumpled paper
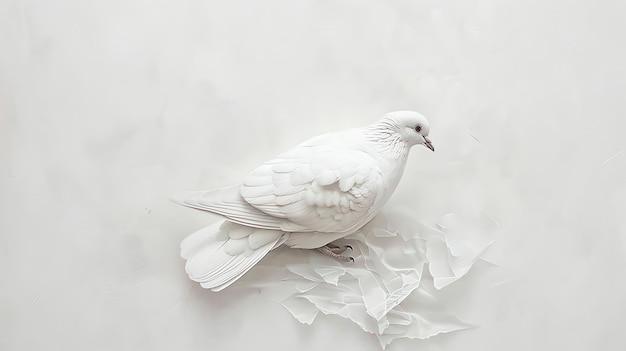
384,291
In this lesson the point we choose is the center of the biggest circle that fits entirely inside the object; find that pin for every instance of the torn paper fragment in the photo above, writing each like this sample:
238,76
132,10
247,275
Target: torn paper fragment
304,311
384,291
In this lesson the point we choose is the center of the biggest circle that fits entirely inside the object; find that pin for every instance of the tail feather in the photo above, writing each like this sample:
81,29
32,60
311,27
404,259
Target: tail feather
230,276
209,252
200,239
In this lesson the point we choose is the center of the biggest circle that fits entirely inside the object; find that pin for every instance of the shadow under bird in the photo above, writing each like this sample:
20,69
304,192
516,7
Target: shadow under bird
322,190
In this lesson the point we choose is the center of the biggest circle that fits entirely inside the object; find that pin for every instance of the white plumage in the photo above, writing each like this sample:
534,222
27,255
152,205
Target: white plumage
322,190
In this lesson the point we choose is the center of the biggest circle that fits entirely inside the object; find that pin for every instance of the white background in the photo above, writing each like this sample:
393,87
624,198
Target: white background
109,107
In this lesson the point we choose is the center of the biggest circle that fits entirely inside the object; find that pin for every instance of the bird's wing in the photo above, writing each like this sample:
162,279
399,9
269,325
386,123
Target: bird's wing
229,203
317,187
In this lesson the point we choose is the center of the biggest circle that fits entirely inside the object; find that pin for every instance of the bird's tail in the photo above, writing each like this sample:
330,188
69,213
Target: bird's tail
221,253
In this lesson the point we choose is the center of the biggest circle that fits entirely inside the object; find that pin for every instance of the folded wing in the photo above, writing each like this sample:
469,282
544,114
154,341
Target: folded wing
317,188
311,188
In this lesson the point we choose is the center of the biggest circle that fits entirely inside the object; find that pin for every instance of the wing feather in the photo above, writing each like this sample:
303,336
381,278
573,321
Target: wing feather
229,203
322,190
319,186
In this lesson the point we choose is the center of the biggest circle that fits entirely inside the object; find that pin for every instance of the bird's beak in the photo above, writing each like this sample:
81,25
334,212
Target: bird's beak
429,144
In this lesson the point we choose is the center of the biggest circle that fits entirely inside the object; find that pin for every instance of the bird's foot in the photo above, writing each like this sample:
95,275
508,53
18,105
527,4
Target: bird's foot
334,251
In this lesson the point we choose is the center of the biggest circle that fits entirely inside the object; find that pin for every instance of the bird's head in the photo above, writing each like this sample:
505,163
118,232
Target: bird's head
412,127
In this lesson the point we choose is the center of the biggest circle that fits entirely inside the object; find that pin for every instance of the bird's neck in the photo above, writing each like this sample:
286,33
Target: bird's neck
390,150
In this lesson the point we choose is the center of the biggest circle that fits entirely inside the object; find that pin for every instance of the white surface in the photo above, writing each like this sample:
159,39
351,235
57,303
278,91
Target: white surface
107,108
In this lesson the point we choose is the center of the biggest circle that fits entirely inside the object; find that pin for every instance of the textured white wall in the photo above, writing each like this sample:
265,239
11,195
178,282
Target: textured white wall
109,107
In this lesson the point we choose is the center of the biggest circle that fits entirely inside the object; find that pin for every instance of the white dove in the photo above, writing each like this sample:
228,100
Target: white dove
322,190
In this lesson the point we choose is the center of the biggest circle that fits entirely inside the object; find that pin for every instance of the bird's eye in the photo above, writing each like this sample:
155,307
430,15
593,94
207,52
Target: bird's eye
418,128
